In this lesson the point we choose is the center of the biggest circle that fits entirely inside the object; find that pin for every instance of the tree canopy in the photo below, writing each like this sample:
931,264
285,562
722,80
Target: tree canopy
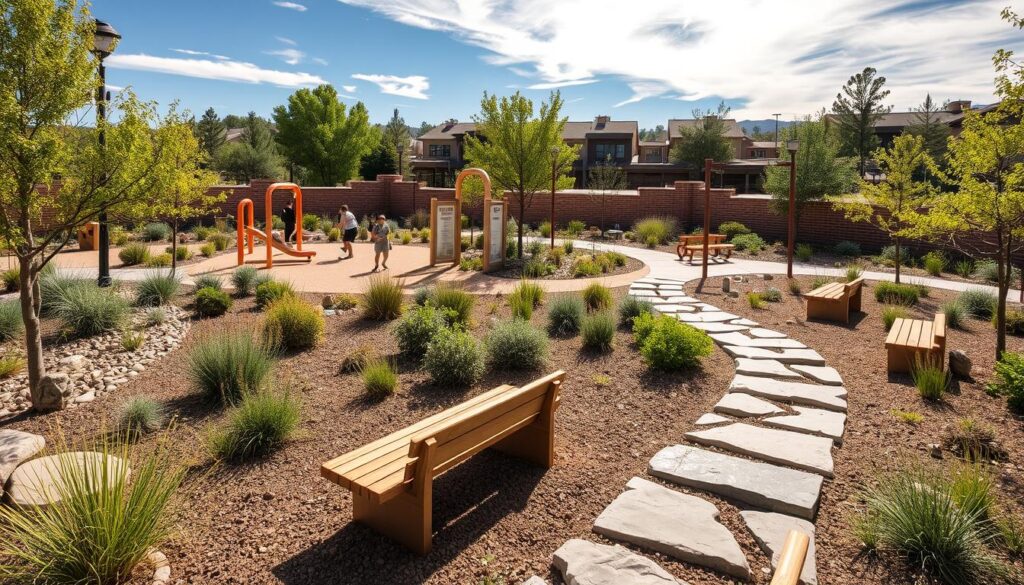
933,131
210,132
604,178
254,156
379,161
857,107
395,136
703,140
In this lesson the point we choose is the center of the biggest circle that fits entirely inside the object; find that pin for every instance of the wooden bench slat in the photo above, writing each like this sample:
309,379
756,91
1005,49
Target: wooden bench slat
894,332
914,340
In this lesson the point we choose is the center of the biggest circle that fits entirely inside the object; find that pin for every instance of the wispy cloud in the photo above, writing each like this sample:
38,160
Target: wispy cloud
320,61
349,88
557,84
413,86
289,56
200,54
292,5
223,70
286,41
759,54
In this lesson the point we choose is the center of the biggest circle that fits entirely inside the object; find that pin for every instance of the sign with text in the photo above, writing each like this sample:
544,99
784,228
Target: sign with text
495,220
445,232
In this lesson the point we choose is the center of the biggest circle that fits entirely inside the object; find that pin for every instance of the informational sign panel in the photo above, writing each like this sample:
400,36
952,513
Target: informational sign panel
495,220
445,232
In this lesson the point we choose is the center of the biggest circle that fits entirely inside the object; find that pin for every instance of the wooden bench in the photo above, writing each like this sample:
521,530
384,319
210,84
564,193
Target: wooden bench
911,340
689,245
834,301
391,479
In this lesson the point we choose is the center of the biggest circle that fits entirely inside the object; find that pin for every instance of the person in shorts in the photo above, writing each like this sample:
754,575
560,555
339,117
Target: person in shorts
381,241
350,229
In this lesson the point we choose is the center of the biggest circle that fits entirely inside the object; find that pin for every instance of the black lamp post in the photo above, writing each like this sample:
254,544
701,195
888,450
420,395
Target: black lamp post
400,150
554,178
792,146
104,41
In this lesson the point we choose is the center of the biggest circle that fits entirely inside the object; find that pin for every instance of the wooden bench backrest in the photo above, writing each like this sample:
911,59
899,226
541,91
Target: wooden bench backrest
481,426
939,328
699,239
854,284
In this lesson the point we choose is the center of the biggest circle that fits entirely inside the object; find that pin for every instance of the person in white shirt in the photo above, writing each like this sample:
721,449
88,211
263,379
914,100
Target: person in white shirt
351,228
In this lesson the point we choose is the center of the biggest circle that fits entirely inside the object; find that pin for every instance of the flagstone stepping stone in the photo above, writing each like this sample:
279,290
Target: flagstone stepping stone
764,485
815,421
684,300
676,309
746,322
711,419
742,340
706,307
15,448
39,482
582,562
718,327
797,450
770,531
706,317
642,286
534,580
765,368
642,293
667,286
786,356
823,374
657,300
829,397
672,523
746,405
766,333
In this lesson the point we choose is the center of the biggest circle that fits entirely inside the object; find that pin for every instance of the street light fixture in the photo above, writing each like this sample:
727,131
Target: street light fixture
554,177
105,40
400,149
792,146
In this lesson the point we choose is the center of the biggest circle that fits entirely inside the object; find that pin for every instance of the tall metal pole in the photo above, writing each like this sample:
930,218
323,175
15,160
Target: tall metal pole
776,133
554,172
792,215
101,117
707,220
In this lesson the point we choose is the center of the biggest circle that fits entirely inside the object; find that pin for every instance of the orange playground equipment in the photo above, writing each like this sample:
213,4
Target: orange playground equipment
247,231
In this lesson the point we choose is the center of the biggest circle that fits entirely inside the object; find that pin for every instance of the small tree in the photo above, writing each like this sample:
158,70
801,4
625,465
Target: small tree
703,140
603,179
378,161
395,136
857,107
933,131
893,205
516,149
820,171
211,133
254,156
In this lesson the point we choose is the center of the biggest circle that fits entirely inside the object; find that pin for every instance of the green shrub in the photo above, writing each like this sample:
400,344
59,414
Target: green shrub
417,327
847,248
668,344
244,279
454,359
293,324
11,279
345,301
91,310
597,297
631,307
478,242
379,378
157,288
931,380
1009,373
155,316
934,263
260,424
11,365
731,229
118,236
756,300
276,222
988,270
182,253
105,518
535,247
795,287
134,254
803,252
853,272
772,295
471,264
465,243
656,229
211,302
11,323
455,300
585,267
565,315
896,294
575,228
335,234
750,242
208,250
545,229
955,314
556,255
220,241
422,294
132,340
535,267
980,304
888,256
892,312
964,268
521,307
156,232
424,236
382,299
1014,322
310,222
271,291
159,261
208,281
568,246
140,415
406,237
226,365
598,331
529,291
203,232
516,345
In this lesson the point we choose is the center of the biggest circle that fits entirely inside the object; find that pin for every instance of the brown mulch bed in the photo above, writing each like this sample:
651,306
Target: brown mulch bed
514,268
875,440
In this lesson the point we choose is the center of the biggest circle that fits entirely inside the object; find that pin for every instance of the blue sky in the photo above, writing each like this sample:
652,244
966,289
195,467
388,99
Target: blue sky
645,60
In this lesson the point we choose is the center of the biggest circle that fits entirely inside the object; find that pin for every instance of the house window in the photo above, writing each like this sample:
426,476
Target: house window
652,155
615,151
440,151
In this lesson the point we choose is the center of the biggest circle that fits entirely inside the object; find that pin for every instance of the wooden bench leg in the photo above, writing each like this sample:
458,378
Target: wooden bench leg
405,519
855,302
536,441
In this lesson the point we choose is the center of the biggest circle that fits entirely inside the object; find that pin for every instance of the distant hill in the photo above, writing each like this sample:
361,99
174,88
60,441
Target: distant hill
765,125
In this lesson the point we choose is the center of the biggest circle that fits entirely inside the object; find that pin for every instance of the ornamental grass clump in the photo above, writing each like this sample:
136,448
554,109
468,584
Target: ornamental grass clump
565,315
980,304
382,299
457,303
260,424
11,324
597,297
134,254
668,344
208,281
453,358
804,252
292,324
934,263
516,345
156,232
271,291
224,366
159,261
157,288
632,307
139,416
90,310
379,378
896,294
211,302
955,314
521,307
654,229
598,331
892,312
930,379
244,280
132,340
11,365
756,301
417,328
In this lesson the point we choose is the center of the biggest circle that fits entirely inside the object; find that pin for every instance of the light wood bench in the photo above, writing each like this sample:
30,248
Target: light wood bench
911,340
689,245
834,301
391,479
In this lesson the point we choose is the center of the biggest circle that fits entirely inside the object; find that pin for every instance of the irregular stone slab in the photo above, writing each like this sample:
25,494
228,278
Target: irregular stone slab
823,374
672,523
587,563
746,322
683,300
775,488
766,333
711,419
718,327
770,531
742,340
830,397
797,450
534,580
676,308
706,317
706,307
673,288
815,421
786,356
745,405
38,483
16,447
642,293
642,286
765,368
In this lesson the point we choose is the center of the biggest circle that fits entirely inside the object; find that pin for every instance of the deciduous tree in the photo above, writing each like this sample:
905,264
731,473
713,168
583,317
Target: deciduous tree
703,140
603,179
254,156
379,161
857,107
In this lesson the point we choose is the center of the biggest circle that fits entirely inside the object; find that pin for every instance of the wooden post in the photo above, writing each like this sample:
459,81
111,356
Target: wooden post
708,163
791,560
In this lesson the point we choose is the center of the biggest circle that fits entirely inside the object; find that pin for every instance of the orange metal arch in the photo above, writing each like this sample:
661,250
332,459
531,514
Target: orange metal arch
270,216
244,221
469,173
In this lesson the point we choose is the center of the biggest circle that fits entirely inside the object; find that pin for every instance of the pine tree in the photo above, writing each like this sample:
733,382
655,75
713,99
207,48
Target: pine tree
927,125
254,156
396,135
857,107
210,132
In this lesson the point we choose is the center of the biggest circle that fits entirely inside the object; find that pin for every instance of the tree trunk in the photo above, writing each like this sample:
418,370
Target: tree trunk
896,241
174,246
522,214
30,304
1004,287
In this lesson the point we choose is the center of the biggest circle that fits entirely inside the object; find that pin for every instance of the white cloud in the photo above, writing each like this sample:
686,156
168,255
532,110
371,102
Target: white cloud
413,86
557,84
349,88
289,56
761,56
223,70
200,54
320,61
292,5
286,41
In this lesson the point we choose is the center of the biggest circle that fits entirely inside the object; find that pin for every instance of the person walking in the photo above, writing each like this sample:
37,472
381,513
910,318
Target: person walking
381,242
350,229
288,217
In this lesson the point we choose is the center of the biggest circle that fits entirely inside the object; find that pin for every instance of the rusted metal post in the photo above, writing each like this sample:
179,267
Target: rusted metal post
791,243
708,163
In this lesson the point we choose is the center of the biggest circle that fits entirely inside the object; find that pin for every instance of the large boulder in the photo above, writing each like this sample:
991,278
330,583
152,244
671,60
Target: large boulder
53,393
960,364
